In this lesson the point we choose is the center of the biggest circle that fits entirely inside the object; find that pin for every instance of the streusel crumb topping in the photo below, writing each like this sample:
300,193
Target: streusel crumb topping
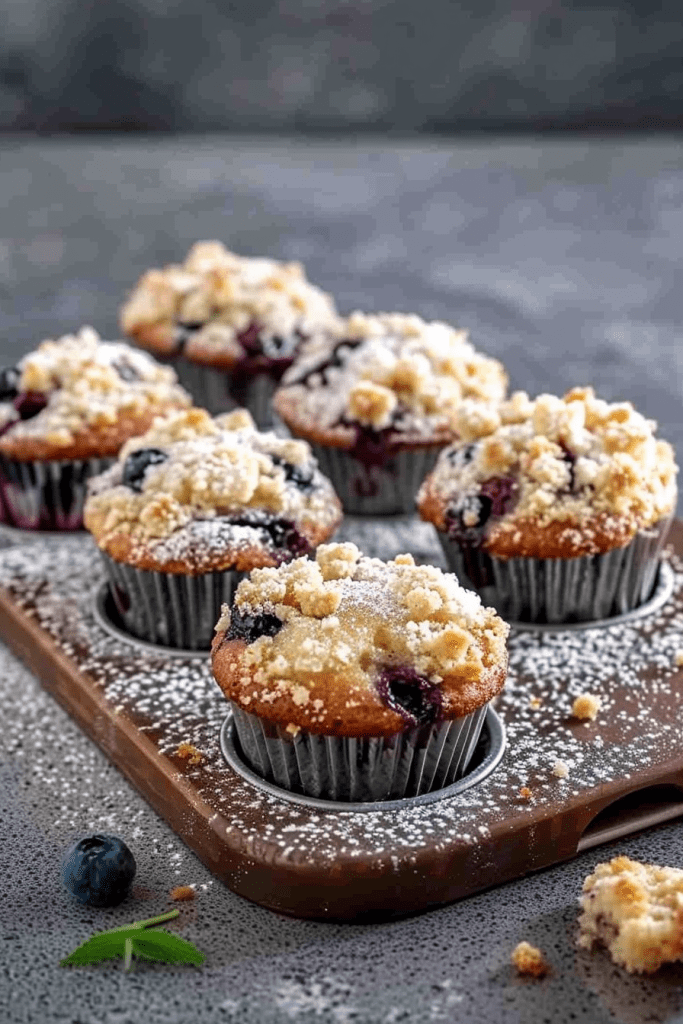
194,481
345,615
529,960
391,370
636,911
222,294
564,460
86,383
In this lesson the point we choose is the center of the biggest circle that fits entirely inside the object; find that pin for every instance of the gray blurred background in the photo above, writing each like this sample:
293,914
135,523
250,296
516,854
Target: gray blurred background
335,66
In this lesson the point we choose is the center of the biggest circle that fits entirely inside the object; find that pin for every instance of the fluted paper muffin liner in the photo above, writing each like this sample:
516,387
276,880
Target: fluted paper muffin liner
172,609
352,769
376,490
47,495
557,590
210,388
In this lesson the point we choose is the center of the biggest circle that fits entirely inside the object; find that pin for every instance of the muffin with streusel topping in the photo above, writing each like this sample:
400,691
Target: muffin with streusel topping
230,324
191,506
554,510
66,410
377,401
355,679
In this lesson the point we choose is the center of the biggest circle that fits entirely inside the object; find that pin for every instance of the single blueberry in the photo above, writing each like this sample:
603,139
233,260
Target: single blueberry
9,383
300,476
99,870
413,697
137,464
250,627
29,403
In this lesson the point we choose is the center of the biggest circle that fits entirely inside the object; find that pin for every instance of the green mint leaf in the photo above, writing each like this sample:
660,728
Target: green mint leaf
157,944
138,938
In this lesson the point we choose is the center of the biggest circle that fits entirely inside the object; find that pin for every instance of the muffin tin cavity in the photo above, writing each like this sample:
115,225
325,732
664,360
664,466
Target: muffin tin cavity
485,759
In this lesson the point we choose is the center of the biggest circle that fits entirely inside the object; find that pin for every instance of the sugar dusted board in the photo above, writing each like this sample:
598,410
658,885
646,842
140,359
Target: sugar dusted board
314,862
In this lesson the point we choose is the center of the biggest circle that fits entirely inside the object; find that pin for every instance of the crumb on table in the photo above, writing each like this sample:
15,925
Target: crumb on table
183,893
189,753
586,706
560,769
525,792
529,960
678,657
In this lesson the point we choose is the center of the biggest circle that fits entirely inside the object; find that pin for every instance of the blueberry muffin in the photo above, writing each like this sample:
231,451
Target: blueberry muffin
356,679
554,510
192,505
66,410
230,324
377,400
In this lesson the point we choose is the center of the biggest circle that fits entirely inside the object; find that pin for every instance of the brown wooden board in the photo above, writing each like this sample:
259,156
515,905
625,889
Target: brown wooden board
139,707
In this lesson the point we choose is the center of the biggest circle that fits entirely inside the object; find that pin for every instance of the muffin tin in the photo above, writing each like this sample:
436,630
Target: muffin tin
159,717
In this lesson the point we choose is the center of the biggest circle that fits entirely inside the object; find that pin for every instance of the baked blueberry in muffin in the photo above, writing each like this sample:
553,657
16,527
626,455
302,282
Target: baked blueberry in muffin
378,398
192,504
66,410
356,679
555,509
231,324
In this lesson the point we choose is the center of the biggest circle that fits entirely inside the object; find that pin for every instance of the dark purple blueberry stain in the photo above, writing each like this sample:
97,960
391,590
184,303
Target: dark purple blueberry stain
570,458
300,476
263,354
126,370
249,628
137,464
183,333
336,358
280,534
496,497
9,383
410,695
29,403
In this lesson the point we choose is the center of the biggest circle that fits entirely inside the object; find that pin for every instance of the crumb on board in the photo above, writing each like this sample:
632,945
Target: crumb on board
586,706
678,658
560,769
535,702
529,960
189,753
525,792
183,893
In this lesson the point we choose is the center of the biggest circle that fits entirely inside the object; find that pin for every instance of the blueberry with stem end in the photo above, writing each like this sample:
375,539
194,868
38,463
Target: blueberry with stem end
137,464
99,870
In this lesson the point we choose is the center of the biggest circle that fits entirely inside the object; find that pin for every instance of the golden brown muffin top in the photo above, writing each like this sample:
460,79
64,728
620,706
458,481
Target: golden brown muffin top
220,295
210,493
82,389
554,463
636,911
389,371
349,645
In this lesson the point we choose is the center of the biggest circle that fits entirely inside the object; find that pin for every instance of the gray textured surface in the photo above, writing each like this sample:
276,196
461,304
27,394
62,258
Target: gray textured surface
338,65
563,260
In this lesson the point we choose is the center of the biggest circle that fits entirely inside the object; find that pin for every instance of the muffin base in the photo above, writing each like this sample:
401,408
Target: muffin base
352,769
373,490
170,609
561,590
46,495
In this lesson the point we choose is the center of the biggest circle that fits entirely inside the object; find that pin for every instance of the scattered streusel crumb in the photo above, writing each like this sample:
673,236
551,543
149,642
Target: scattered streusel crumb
529,960
535,702
679,657
189,753
526,793
586,706
183,893
560,769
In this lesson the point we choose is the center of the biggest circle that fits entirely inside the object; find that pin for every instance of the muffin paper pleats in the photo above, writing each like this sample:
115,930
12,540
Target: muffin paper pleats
46,495
170,608
387,489
217,390
408,763
558,590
